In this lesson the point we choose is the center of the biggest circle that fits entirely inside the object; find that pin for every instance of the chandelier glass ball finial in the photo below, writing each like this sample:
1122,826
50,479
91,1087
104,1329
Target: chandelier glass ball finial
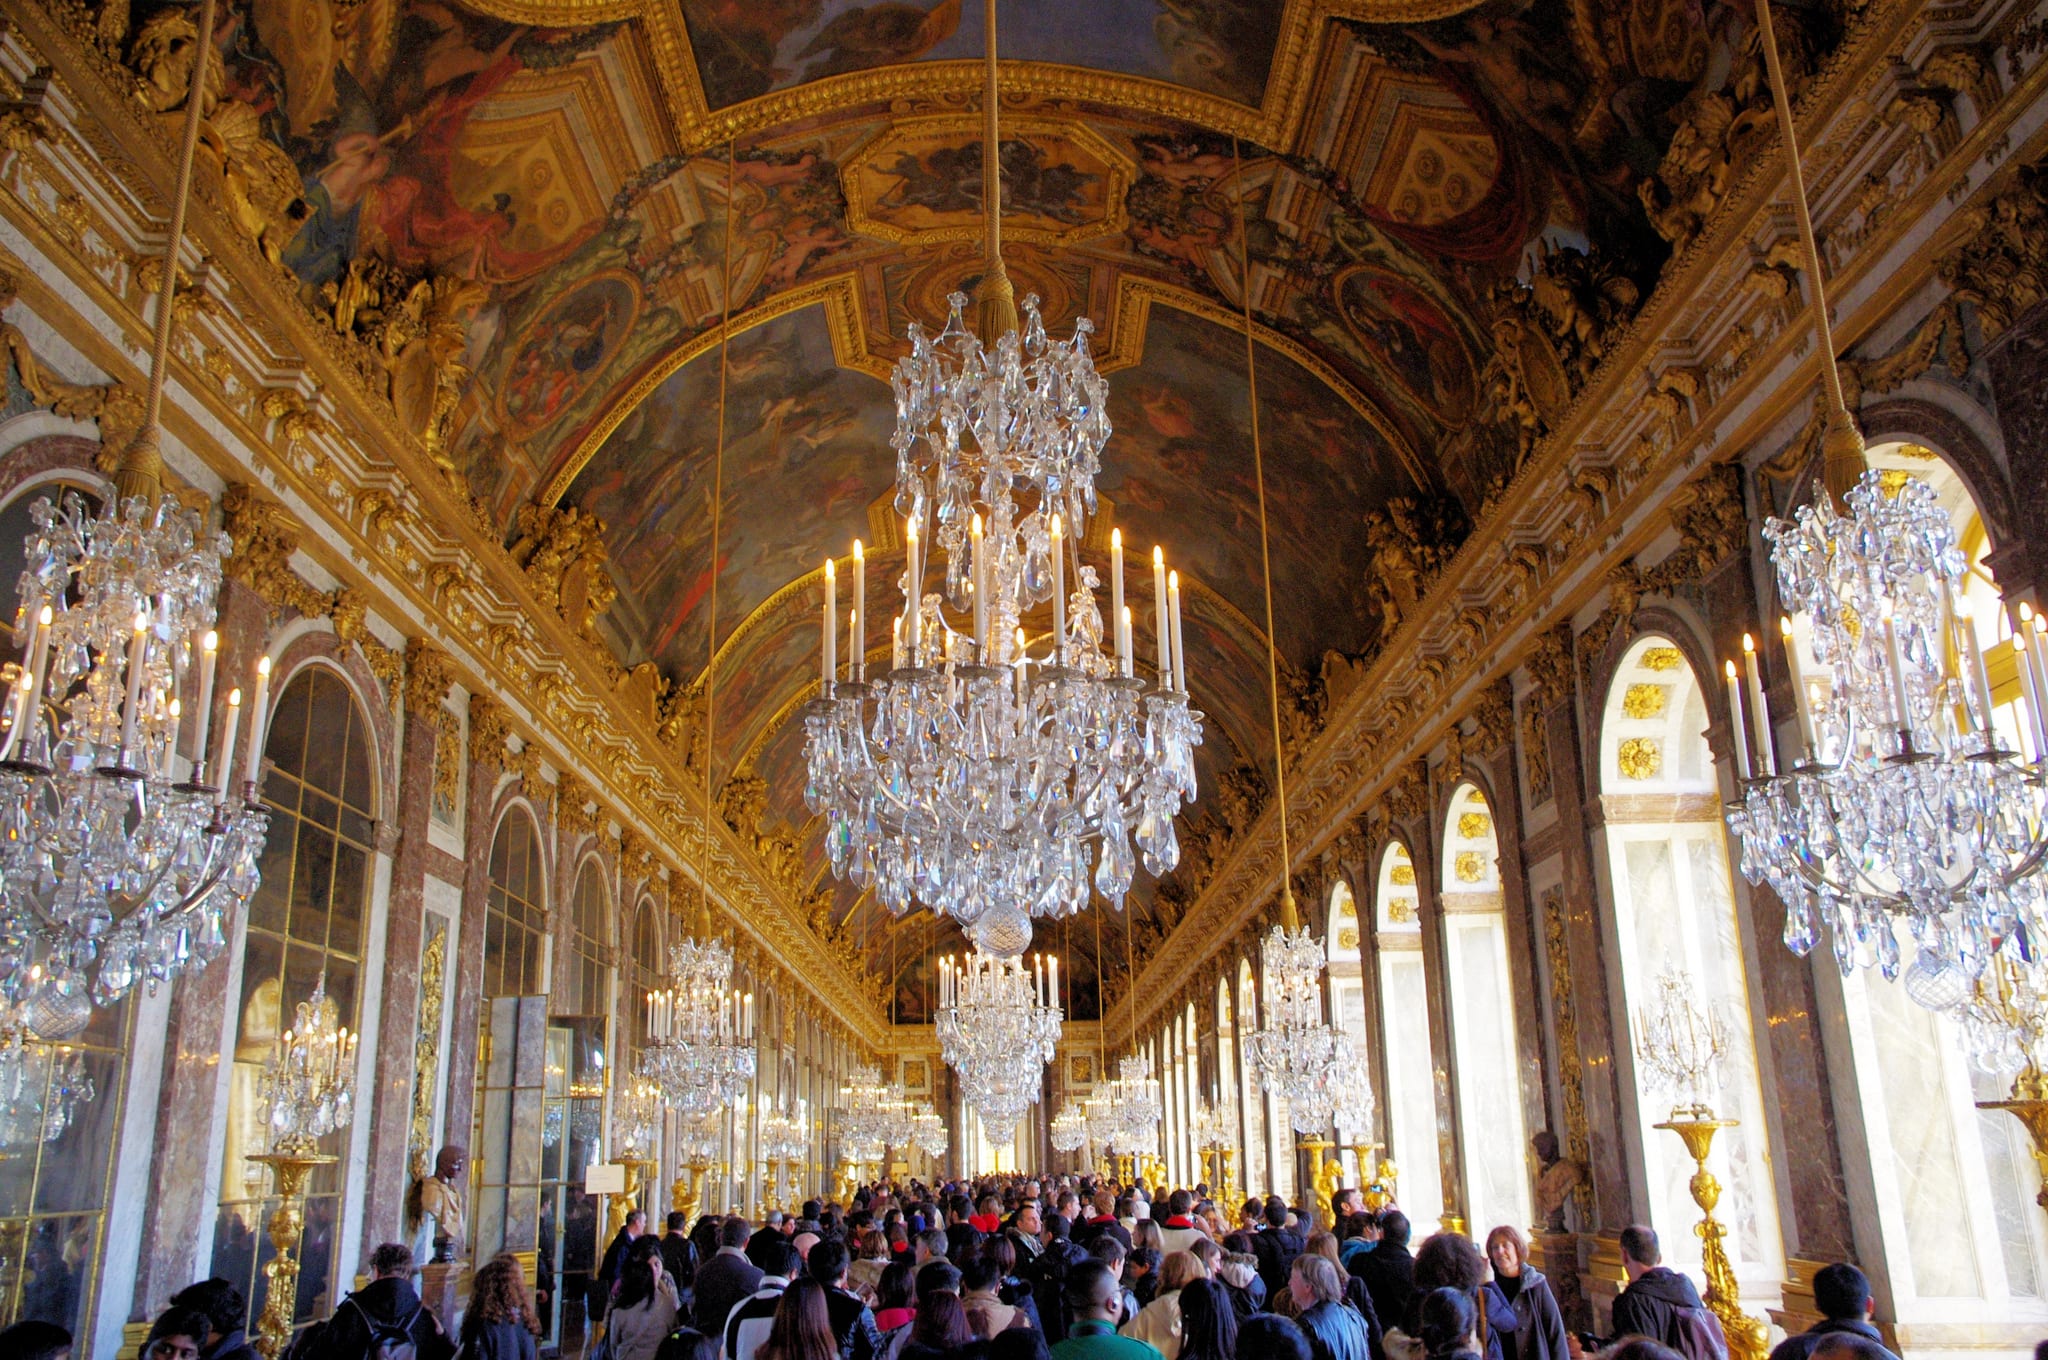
993,777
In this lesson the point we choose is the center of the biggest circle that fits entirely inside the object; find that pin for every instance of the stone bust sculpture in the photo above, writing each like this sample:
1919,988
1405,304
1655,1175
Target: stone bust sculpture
1556,1178
435,1211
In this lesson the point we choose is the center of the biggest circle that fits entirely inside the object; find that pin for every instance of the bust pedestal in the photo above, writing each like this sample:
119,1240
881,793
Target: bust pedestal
441,1290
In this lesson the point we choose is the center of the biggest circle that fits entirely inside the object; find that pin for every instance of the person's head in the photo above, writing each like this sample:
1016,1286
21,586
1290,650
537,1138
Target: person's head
1364,1225
1447,1320
931,1245
1180,1203
802,1327
1029,1220
1110,1252
678,1223
1001,1251
1324,1244
979,1275
1448,1260
1141,1262
774,1256
804,1242
226,1311
1507,1251
1179,1269
1268,1336
497,1293
687,1343
33,1340
957,1209
1208,1322
177,1334
934,1278
1067,1205
636,1284
893,1289
1345,1203
646,1247
1394,1229
827,1263
1314,1280
1057,1227
734,1232
1018,1343
636,1223
941,1321
1208,1253
1639,1250
1275,1212
989,1205
812,1210
1841,1292
391,1261
1093,1294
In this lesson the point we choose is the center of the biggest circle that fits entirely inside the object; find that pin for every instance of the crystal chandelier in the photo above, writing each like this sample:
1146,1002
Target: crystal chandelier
700,1033
116,864
1211,1128
929,1136
1351,1100
1069,1128
41,1087
1901,823
1135,1103
974,775
998,1023
1294,1050
308,1090
636,1121
1681,1045
782,1136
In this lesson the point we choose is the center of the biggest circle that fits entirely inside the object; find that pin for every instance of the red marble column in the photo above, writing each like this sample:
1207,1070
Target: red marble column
177,1227
389,1106
1524,934
465,996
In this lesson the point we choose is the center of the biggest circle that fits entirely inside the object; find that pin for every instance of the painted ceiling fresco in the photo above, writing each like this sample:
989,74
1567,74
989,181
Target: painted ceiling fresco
1394,166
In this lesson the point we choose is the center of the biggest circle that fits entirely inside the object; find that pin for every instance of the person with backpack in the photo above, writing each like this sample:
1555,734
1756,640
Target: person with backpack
384,1320
1661,1304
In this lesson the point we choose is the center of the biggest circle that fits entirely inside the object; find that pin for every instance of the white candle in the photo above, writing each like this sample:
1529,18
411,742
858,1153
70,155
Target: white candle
858,660
1116,590
853,644
1124,642
1735,724
1973,648
27,687
978,569
1799,702
209,654
227,737
1759,715
138,647
896,643
1023,664
2032,693
1902,711
912,606
831,656
1059,594
1053,968
256,715
1180,658
1159,617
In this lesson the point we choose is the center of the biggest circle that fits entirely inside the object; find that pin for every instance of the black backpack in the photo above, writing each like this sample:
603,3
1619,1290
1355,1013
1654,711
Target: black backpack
389,1340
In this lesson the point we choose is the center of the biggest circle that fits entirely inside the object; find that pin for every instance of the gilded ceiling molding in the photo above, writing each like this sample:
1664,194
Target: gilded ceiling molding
1273,124
1754,357
390,521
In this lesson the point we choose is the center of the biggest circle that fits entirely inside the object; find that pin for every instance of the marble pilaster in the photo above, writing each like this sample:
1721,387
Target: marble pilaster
2017,365
465,996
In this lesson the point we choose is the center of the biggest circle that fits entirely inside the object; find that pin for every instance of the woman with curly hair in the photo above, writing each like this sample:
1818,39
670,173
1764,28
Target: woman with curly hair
500,1323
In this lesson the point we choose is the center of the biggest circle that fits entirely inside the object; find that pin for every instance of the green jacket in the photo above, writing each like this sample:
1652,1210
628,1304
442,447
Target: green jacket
1093,1340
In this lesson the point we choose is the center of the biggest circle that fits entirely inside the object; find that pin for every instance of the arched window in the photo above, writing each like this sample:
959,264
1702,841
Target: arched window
1228,1098
515,922
588,984
1190,1097
305,926
1257,1180
1674,915
1953,1184
1409,1125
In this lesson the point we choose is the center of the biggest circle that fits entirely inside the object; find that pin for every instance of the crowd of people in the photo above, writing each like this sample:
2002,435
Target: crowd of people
1022,1268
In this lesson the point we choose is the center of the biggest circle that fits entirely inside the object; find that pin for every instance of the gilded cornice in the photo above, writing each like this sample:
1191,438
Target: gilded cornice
390,525
1756,358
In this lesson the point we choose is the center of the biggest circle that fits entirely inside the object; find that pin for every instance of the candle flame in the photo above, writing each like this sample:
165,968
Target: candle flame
1748,643
211,642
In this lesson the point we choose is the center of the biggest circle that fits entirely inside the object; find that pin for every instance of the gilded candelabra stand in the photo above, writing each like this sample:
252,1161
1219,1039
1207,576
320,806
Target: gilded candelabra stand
1747,1336
686,1195
1152,1167
289,1171
2029,1104
1380,1188
1228,1189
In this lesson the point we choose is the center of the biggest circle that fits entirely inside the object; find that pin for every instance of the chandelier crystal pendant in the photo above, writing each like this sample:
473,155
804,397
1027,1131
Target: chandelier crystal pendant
998,1023
117,864
977,775
1294,1050
42,1087
700,1033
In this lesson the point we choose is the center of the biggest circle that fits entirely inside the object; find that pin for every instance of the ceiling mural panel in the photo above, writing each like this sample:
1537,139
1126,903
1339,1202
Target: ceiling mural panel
745,48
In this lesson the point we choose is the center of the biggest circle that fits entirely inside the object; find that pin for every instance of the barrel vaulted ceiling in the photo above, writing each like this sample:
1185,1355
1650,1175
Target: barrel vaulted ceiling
590,167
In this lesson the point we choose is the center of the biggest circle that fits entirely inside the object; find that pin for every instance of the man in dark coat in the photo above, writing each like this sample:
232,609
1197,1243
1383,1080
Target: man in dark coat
1656,1302
853,1322
1842,1294
1389,1270
725,1279
962,1237
387,1308
1276,1246
613,1262
225,1312
678,1257
1047,1275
